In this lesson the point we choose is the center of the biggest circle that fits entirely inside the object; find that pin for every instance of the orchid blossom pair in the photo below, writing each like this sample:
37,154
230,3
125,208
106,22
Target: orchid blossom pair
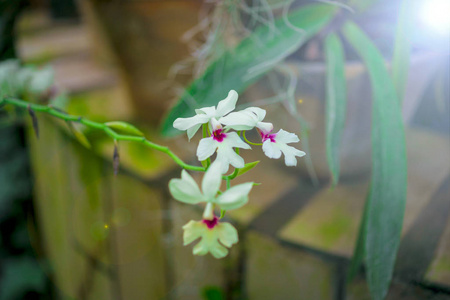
220,121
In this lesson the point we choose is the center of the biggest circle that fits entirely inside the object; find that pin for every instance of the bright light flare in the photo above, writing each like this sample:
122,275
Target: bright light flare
436,15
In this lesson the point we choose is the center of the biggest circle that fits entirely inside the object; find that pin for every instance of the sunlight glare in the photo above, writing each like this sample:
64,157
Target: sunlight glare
436,15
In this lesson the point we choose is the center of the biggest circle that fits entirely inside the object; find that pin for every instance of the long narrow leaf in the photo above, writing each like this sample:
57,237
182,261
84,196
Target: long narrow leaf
388,185
251,59
360,249
402,49
336,102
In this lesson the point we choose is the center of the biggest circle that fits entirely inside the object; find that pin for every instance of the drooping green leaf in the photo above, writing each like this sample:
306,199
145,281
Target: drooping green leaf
247,167
79,135
402,48
251,59
116,158
360,250
34,121
124,127
388,195
336,102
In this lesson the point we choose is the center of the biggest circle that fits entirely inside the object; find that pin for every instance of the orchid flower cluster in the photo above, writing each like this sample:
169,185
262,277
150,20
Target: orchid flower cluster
218,137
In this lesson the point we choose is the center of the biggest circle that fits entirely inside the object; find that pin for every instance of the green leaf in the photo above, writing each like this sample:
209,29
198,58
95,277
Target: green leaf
388,195
79,135
204,163
252,58
360,250
124,127
247,167
402,48
212,293
336,102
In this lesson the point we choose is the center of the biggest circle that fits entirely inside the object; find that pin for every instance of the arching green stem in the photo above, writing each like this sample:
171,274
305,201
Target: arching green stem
255,144
99,126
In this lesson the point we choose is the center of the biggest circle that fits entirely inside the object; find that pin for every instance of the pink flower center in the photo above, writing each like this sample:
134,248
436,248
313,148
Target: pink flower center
211,223
266,136
218,135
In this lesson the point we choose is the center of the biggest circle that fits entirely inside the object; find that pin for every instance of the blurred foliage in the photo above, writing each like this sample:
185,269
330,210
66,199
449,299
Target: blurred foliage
257,54
213,293
29,82
21,275
9,10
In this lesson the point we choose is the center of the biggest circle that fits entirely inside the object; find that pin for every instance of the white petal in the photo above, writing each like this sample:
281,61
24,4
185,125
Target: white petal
290,154
186,123
227,156
239,120
206,148
218,251
271,150
191,131
259,112
192,231
223,159
210,111
200,249
299,153
212,240
233,140
227,105
185,189
227,234
290,160
265,127
214,125
208,213
235,197
286,137
212,180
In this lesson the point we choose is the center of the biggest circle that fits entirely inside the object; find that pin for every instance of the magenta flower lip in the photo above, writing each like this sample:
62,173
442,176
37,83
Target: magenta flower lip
267,136
211,223
219,135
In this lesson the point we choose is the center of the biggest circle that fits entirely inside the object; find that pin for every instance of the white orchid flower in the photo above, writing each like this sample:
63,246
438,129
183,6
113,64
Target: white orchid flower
223,142
247,119
276,143
204,115
186,190
215,237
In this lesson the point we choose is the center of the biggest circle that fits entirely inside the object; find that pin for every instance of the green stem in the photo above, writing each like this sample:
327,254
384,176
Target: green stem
100,126
222,211
255,144
206,134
